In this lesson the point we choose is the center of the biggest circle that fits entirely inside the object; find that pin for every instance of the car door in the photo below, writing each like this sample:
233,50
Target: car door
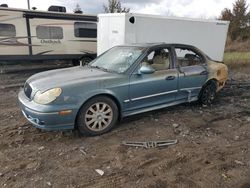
192,72
151,89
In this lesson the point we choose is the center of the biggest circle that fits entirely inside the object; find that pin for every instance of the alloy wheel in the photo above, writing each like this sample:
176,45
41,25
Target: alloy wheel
98,116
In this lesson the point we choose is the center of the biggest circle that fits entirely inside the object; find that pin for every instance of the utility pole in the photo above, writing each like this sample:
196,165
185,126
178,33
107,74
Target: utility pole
28,1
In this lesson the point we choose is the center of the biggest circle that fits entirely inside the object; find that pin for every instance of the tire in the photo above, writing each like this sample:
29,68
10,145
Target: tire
207,94
86,60
97,116
75,62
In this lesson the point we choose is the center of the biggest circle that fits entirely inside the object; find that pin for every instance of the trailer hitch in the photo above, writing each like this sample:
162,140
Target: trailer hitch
150,144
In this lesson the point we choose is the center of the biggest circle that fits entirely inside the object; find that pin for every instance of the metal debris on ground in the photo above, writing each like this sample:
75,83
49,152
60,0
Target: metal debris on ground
82,150
41,148
150,144
49,184
175,125
100,172
239,162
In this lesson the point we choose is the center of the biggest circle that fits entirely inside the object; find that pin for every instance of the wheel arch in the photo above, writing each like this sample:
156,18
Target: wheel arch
112,97
213,81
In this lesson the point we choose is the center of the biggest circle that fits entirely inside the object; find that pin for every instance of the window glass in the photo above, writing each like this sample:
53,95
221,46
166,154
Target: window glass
7,30
117,59
48,32
158,59
187,57
85,30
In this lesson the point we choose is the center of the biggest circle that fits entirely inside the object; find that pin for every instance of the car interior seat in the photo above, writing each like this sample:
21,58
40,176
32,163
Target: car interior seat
191,59
161,60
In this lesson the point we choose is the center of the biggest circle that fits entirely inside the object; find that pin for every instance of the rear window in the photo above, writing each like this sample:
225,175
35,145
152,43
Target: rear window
48,32
85,30
7,30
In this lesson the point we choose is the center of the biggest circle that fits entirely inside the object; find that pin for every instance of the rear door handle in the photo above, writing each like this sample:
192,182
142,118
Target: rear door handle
204,73
170,78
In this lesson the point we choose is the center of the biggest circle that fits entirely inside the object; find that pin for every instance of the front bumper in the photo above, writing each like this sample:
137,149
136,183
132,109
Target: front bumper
46,117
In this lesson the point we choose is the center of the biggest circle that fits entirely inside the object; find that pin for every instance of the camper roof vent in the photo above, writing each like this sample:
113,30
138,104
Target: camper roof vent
57,9
3,5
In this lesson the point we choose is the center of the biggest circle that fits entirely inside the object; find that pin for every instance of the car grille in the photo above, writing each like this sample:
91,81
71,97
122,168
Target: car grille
27,90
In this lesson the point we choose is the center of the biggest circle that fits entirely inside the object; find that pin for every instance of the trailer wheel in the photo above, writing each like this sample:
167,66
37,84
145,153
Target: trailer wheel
75,62
86,60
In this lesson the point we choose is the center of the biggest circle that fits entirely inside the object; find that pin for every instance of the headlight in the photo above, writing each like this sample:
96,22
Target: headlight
47,96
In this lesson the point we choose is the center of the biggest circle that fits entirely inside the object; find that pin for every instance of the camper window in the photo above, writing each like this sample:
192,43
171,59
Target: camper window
45,32
85,30
7,30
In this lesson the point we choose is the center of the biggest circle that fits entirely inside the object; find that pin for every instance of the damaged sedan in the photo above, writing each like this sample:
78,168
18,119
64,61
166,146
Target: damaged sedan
124,81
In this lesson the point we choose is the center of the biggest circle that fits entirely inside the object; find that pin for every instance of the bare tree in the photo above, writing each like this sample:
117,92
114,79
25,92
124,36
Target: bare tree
114,6
78,9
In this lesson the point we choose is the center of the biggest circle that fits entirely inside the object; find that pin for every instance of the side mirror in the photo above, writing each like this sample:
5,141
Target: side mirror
146,70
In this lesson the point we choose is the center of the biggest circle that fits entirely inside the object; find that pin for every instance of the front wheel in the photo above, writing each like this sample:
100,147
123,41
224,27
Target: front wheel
99,115
207,94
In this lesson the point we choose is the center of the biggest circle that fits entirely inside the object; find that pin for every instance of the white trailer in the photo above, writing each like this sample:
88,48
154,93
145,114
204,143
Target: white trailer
43,35
124,28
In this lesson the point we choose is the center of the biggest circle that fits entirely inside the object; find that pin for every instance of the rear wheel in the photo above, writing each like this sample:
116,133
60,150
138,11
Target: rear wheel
207,94
99,115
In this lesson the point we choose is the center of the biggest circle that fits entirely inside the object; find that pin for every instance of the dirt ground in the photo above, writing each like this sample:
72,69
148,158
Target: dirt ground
213,148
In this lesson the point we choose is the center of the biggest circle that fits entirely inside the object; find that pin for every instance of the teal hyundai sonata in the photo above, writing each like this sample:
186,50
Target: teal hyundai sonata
123,81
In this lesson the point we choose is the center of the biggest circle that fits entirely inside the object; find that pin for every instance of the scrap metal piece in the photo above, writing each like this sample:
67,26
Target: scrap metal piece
150,144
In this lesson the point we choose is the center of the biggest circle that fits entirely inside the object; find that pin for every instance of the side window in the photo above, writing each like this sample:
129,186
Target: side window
7,30
159,59
48,32
187,57
85,30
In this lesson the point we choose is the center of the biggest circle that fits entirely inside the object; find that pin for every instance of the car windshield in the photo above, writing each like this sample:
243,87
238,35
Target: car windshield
117,59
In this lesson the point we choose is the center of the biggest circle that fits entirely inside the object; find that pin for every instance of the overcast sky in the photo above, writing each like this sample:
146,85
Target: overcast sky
183,8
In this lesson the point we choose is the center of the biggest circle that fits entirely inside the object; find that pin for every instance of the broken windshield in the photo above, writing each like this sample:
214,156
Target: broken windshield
118,59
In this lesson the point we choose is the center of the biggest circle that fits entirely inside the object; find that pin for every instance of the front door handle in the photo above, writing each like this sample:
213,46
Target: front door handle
204,73
170,78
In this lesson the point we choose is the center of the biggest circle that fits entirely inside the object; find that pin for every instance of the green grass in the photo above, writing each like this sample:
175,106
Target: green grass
237,58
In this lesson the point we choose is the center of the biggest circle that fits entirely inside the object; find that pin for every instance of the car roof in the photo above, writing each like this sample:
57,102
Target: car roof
160,44
150,45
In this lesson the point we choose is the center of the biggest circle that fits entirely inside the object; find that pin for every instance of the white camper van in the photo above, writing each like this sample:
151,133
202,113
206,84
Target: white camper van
121,28
40,35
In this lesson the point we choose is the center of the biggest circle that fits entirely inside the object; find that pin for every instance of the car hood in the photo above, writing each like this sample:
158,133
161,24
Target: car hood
60,77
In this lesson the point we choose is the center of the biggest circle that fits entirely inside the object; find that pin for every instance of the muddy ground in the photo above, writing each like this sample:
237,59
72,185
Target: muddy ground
213,147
